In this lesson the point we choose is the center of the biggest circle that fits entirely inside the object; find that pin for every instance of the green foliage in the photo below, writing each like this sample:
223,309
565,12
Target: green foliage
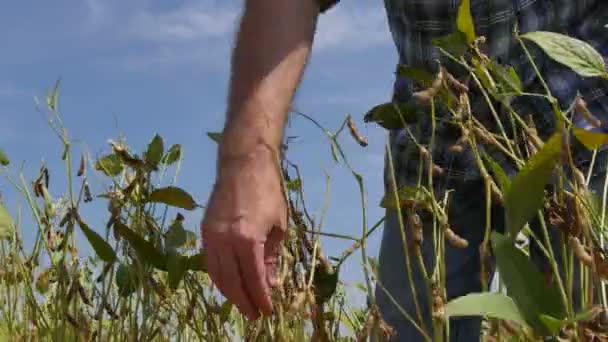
495,305
215,136
173,154
155,151
4,161
125,280
110,165
465,21
103,249
526,285
454,43
173,196
527,190
145,249
581,57
393,115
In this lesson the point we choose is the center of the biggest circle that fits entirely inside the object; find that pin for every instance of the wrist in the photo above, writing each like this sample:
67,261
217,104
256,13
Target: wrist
244,151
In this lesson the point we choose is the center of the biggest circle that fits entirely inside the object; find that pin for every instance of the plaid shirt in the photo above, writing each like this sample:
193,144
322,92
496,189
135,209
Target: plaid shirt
415,23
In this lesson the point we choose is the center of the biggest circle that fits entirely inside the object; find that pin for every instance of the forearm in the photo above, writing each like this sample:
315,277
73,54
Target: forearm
272,48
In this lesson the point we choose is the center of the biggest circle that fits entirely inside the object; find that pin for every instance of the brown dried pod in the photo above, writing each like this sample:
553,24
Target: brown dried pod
414,224
456,148
579,178
425,96
601,264
354,132
581,107
581,253
455,240
454,83
81,168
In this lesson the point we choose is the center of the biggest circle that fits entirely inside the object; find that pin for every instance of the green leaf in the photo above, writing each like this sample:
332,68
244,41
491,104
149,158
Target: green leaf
507,77
197,262
499,173
7,226
408,197
173,196
215,136
454,43
579,56
51,98
294,184
173,154
176,235
125,280
176,265
495,305
225,310
361,287
325,281
155,151
527,190
465,22
145,249
101,247
591,140
393,115
4,159
552,324
525,284
110,165
421,75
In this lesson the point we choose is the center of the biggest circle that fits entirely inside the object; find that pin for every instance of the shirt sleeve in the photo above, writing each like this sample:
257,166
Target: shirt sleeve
327,4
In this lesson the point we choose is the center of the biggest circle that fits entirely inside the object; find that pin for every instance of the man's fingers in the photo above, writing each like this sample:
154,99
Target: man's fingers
272,250
251,255
232,286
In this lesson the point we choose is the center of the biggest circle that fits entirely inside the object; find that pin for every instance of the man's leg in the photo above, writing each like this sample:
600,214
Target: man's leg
467,218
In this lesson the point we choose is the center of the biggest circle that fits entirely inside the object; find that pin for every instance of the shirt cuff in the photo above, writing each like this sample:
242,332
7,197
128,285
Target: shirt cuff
327,4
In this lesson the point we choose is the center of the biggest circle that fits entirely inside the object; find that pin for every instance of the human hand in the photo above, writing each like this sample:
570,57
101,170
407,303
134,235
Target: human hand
243,229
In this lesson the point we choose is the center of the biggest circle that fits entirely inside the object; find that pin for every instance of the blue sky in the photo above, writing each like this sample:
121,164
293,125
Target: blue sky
147,67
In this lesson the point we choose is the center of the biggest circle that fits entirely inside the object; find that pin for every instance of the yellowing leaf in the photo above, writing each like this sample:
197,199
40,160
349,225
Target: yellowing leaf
591,140
465,21
579,56
173,196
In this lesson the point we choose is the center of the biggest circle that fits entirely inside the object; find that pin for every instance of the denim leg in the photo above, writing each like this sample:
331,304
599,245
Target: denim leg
467,218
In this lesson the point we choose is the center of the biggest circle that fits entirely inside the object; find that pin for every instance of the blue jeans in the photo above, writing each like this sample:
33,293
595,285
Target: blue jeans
467,216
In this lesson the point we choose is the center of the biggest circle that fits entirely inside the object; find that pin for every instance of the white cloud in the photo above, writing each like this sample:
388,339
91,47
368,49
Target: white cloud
189,23
191,30
352,27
